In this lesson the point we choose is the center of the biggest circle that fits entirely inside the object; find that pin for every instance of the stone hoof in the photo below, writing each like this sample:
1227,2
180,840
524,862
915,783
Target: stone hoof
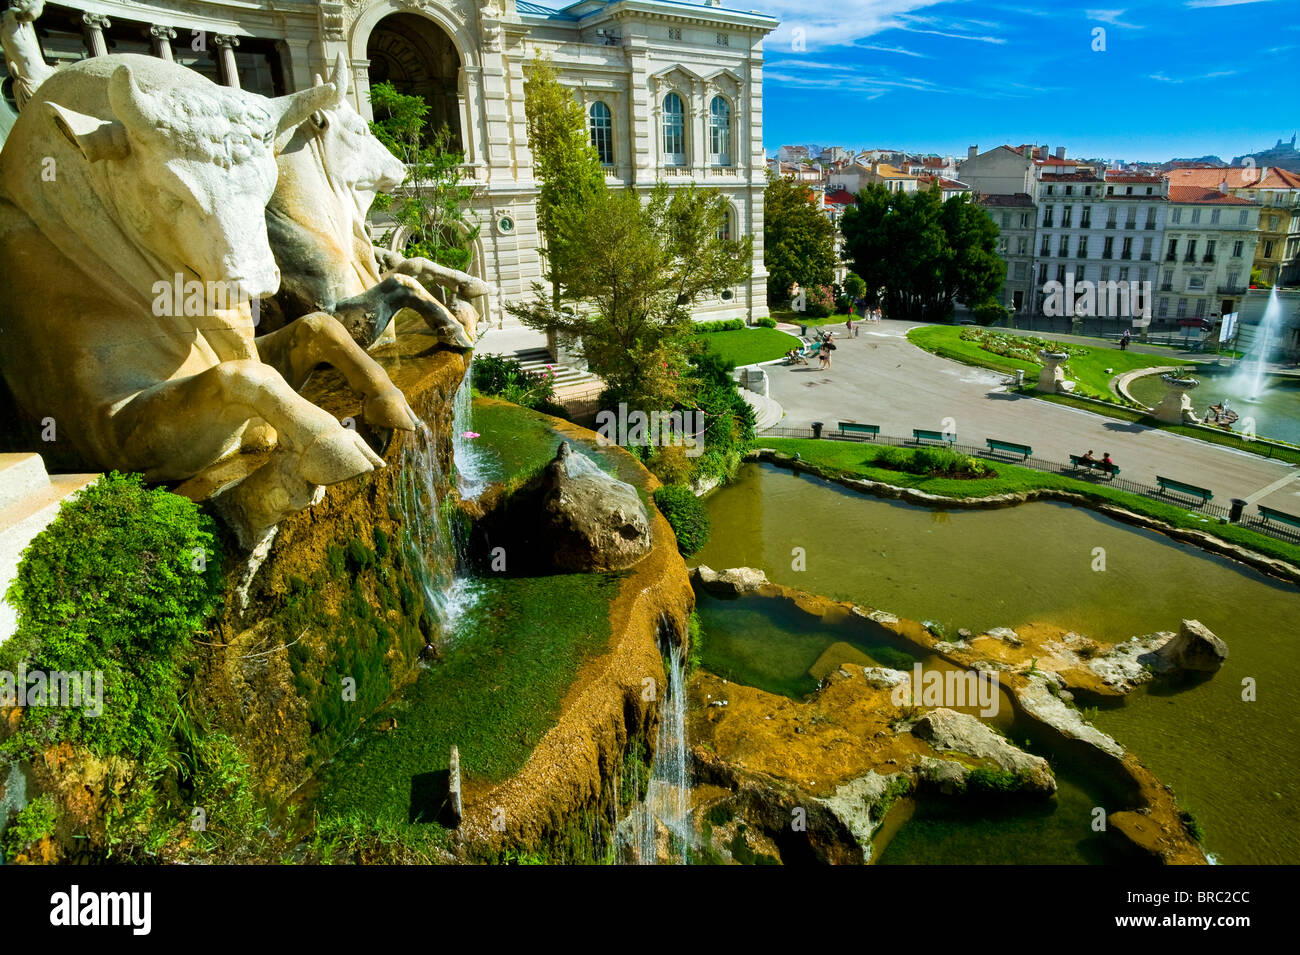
449,331
389,409
337,455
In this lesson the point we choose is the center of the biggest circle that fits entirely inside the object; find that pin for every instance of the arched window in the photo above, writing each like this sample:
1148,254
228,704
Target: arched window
720,132
724,230
602,132
674,123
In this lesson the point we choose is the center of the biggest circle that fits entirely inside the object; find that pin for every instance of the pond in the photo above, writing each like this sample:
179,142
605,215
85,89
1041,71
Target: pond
1276,411
1231,762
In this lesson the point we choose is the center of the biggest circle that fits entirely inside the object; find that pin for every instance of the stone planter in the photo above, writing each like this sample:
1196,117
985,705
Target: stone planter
1051,378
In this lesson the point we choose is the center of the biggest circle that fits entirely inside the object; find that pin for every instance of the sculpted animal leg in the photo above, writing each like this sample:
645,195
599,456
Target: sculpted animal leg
319,338
373,308
177,428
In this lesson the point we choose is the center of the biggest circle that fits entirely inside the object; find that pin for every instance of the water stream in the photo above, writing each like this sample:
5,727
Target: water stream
665,811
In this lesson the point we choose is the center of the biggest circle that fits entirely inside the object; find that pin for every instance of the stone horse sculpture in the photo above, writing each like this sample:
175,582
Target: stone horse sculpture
123,174
330,171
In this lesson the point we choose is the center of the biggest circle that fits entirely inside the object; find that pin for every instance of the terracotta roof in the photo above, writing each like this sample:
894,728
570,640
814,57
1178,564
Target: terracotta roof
1237,177
1199,195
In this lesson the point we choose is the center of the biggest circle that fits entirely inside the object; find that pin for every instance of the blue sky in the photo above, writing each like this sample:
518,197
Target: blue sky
1176,78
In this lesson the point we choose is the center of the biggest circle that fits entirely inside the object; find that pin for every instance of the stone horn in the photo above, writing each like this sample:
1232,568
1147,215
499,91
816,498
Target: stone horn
290,111
130,105
341,78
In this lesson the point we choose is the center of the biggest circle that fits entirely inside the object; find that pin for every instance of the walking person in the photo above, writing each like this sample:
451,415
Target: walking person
828,347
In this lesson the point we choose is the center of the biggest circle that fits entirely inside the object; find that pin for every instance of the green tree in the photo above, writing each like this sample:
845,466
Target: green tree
633,271
919,253
798,241
564,161
433,201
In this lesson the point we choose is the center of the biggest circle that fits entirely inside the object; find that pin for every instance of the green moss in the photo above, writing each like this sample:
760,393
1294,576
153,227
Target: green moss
986,781
494,695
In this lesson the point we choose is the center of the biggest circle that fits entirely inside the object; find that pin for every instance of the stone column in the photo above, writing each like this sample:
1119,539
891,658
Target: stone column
96,24
226,57
162,40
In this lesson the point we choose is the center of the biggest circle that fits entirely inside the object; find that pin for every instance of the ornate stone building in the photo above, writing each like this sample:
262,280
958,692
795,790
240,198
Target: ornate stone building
673,90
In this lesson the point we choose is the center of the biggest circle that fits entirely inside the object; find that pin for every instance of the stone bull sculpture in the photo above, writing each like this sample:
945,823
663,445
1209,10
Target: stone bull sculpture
331,168
121,174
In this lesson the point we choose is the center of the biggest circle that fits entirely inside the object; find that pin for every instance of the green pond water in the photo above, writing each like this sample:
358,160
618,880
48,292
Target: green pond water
1233,763
1276,411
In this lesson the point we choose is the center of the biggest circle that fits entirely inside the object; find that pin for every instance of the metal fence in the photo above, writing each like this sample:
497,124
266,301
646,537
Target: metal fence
1279,532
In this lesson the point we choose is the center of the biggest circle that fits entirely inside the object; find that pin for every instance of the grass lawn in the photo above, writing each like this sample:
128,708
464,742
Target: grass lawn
798,318
853,459
747,346
1092,370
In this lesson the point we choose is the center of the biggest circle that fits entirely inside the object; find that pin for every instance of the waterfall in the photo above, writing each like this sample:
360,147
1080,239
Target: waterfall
473,467
667,799
429,537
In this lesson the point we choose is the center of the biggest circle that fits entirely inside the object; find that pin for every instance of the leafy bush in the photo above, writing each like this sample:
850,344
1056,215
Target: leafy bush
33,823
767,321
507,379
990,313
118,583
727,325
686,513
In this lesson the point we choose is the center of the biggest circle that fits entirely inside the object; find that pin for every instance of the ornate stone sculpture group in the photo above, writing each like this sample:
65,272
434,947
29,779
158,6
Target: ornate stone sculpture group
125,175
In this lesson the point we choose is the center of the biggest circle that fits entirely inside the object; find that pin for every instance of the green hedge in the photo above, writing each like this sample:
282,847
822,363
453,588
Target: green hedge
729,325
686,513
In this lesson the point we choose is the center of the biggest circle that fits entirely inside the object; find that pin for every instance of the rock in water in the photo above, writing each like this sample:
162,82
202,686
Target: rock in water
593,521
951,731
1195,648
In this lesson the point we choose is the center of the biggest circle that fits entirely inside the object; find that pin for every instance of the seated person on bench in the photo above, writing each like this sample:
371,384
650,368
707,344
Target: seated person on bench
1106,462
1087,459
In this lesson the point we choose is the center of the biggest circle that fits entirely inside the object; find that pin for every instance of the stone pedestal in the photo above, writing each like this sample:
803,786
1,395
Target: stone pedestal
1176,406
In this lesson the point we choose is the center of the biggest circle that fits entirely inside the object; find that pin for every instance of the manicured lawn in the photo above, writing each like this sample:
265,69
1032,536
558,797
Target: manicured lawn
1092,369
747,346
798,318
853,459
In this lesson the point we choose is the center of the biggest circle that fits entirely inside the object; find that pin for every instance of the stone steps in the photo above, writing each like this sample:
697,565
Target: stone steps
567,380
29,501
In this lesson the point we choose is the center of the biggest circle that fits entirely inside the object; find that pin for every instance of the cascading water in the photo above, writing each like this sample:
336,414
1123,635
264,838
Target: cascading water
666,809
431,534
473,469
1248,382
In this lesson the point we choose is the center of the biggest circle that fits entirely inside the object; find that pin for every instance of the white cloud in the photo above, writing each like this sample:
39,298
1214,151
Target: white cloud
1112,18
1222,3
821,24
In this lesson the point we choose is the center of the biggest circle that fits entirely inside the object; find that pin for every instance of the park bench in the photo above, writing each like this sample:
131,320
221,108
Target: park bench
1011,447
922,434
1108,469
1282,517
1169,484
847,428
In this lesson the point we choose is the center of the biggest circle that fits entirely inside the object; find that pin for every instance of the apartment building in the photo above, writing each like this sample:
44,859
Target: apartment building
1277,252
1209,246
1016,218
